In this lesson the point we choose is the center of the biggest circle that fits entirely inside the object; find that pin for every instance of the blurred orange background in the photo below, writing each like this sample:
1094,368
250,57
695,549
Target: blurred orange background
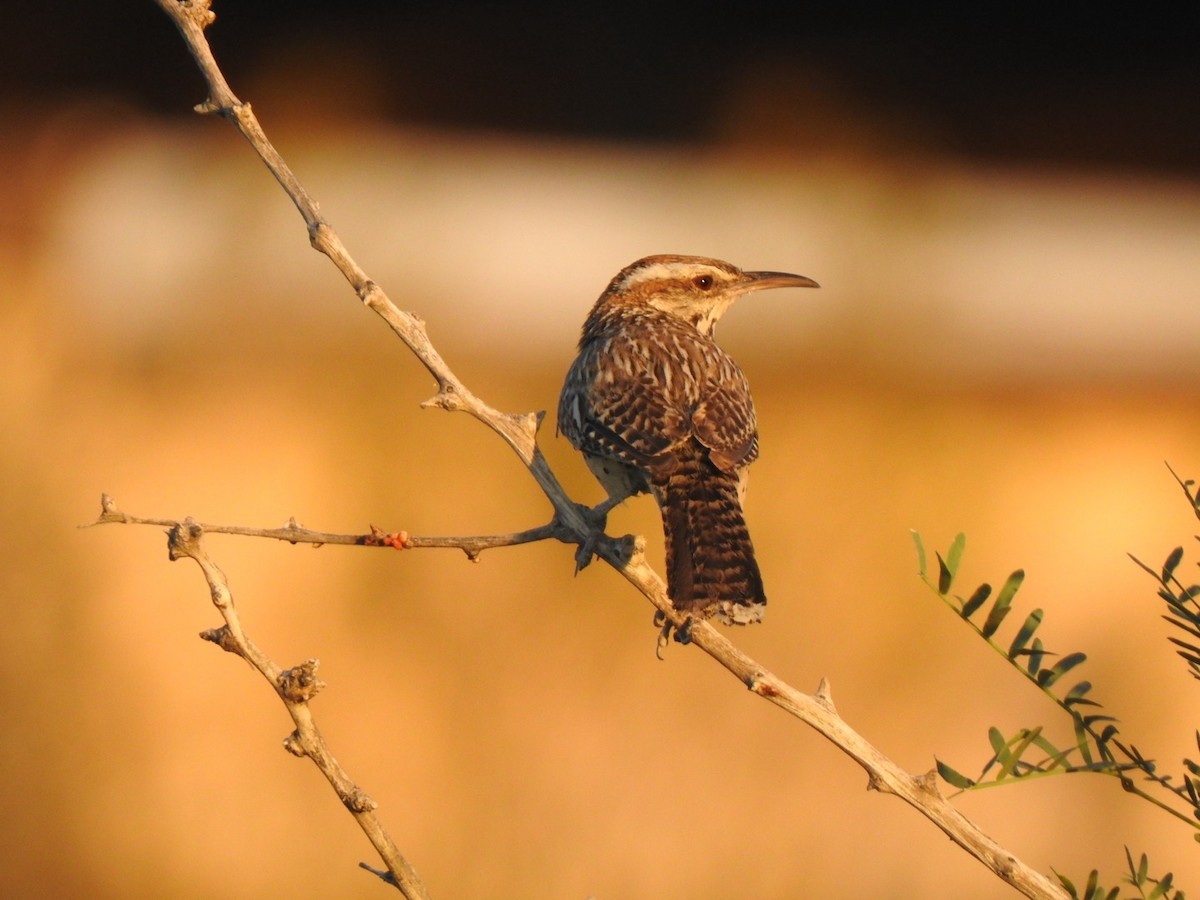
1005,348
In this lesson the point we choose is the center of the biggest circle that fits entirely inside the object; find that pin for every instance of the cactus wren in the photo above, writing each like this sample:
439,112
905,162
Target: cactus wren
655,406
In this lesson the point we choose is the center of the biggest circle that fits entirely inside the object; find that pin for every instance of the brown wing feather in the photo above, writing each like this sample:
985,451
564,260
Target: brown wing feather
640,394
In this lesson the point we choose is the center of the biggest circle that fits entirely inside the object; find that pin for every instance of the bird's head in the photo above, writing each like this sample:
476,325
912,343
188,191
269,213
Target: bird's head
695,289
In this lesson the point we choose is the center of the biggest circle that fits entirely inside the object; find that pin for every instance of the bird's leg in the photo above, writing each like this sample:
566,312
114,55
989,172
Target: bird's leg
596,517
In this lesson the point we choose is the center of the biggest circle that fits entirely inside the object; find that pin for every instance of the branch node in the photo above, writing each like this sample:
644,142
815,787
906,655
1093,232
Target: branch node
370,294
631,548
223,638
300,683
200,12
761,687
294,744
398,540
528,423
296,528
183,539
319,234
358,802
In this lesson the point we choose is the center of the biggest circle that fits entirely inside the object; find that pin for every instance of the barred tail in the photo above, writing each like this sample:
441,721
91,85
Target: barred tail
711,569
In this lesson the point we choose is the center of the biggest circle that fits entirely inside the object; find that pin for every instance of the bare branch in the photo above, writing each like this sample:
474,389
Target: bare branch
519,431
295,533
295,687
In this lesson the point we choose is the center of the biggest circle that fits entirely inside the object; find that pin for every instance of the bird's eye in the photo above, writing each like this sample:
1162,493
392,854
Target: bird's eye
704,282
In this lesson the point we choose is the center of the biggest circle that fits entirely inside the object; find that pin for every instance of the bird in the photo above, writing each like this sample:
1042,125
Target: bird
656,406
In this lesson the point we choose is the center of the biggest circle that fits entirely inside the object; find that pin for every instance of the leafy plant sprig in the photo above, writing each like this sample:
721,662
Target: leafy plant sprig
1148,887
1029,753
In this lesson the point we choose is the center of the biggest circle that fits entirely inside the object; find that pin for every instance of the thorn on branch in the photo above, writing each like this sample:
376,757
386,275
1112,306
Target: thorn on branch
824,695
929,783
223,638
446,398
209,108
109,511
386,876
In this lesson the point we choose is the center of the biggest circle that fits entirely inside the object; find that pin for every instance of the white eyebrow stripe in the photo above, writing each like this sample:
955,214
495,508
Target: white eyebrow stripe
664,272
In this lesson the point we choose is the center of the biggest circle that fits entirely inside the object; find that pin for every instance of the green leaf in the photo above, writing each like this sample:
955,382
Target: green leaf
1075,695
1018,745
1011,585
999,744
954,554
1047,677
945,576
1142,870
1106,735
1164,885
995,617
1036,655
1032,621
976,600
953,777
1054,757
1066,883
1004,756
1171,564
916,535
1082,742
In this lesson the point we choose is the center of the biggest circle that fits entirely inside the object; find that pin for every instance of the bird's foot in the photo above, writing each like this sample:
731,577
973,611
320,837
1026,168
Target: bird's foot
667,630
597,519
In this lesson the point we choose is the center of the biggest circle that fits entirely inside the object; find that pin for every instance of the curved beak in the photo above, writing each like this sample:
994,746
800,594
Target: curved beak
761,281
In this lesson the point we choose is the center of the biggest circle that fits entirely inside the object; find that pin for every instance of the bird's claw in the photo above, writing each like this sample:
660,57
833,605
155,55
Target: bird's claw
583,555
667,630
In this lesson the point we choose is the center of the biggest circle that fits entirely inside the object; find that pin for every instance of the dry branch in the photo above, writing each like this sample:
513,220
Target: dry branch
295,533
571,521
295,687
